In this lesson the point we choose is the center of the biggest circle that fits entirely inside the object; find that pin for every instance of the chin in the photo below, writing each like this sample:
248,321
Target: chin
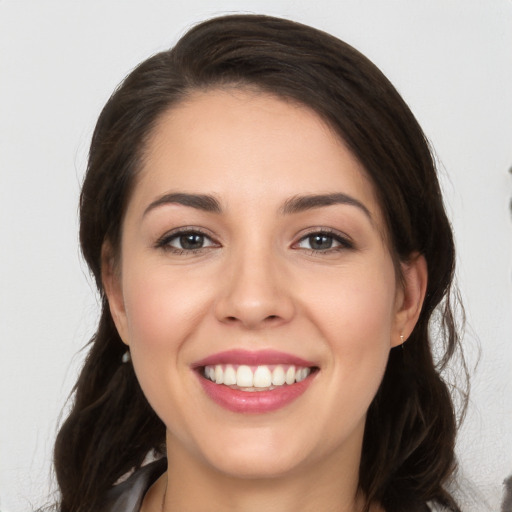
257,455
261,466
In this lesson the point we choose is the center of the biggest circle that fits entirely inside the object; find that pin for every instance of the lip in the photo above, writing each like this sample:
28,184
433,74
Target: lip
257,402
253,358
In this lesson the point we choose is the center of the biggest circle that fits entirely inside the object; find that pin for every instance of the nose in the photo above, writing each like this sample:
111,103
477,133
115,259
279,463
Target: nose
255,292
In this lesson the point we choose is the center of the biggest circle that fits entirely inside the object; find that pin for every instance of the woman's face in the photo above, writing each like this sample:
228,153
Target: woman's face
255,287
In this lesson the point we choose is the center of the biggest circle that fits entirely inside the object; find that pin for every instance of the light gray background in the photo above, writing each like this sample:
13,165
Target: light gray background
59,62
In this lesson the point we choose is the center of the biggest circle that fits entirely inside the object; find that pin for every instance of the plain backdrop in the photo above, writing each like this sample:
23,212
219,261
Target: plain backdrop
60,60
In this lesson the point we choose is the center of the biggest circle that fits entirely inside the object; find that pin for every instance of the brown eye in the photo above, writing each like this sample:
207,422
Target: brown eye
320,242
191,241
184,241
324,242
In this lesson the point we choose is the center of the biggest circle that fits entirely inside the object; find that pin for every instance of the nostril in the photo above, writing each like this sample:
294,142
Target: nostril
234,319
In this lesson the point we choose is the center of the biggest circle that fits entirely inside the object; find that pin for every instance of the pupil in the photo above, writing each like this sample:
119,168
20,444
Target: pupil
191,241
320,242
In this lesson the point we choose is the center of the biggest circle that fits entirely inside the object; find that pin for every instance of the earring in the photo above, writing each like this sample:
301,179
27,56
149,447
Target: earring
401,339
126,357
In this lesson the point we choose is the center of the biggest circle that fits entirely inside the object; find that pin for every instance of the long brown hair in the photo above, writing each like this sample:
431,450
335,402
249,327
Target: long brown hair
408,449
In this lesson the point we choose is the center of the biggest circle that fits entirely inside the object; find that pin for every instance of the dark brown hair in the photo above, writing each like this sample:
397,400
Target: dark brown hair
408,449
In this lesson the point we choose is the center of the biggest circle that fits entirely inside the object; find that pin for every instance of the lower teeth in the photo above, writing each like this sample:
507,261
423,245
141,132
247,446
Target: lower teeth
251,390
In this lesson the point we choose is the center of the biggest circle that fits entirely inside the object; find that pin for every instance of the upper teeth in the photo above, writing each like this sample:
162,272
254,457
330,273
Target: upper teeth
245,376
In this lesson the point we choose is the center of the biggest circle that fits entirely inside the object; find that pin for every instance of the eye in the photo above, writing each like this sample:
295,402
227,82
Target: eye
185,241
324,241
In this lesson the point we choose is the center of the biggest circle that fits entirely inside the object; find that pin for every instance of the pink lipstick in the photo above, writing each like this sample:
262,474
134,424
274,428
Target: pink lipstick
254,382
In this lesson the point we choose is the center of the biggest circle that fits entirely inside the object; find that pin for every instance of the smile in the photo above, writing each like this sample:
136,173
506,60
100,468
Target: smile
254,382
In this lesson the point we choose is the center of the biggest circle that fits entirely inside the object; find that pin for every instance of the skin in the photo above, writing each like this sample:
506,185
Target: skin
257,284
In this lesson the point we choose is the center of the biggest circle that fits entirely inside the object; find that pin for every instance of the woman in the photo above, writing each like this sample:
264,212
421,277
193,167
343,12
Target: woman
265,226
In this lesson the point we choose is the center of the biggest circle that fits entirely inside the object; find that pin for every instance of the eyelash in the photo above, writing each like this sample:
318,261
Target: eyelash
164,242
344,242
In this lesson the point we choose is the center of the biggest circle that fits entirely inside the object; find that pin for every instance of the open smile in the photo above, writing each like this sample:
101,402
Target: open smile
240,382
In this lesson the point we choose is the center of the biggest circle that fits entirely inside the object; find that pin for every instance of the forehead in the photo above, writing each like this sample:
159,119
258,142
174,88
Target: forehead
248,146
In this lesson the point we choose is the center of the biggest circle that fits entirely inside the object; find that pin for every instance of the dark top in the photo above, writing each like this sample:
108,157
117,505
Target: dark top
128,495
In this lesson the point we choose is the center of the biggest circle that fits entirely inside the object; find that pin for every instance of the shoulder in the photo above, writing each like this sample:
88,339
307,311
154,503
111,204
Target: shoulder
128,495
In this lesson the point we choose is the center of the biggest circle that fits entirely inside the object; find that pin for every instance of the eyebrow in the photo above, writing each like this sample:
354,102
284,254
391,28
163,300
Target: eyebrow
199,201
309,202
293,205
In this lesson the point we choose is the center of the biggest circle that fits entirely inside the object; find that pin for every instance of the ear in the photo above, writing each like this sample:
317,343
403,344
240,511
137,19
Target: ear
111,279
410,297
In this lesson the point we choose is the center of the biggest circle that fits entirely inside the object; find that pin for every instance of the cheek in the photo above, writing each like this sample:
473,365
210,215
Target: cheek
356,317
160,309
162,312
356,305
